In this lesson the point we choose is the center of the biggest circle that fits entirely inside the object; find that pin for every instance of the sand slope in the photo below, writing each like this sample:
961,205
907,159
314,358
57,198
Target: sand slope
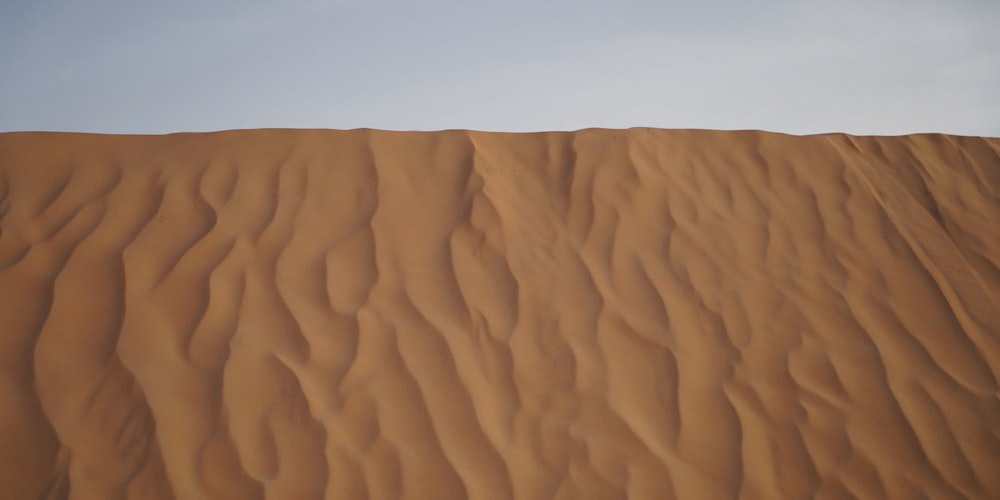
599,314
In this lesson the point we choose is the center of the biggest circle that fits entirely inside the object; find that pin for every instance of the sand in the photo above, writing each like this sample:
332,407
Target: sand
600,314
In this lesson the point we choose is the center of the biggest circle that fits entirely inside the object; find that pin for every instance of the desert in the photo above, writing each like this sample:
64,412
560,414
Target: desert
606,313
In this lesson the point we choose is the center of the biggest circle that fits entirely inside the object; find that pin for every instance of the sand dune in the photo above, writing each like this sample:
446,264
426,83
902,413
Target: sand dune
600,314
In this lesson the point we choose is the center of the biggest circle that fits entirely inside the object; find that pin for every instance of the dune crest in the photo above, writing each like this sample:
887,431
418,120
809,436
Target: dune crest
598,314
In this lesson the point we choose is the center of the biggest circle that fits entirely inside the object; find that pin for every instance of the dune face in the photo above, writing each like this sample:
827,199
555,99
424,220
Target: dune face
599,314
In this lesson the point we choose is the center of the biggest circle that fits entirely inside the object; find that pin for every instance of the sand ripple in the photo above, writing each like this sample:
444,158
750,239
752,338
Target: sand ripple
601,314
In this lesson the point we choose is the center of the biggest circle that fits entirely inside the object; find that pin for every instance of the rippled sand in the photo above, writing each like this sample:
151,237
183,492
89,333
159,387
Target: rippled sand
599,314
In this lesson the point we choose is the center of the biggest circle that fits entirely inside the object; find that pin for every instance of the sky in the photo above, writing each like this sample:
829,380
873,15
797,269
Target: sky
882,67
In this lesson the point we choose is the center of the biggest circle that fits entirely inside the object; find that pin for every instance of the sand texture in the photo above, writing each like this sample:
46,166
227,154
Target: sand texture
600,314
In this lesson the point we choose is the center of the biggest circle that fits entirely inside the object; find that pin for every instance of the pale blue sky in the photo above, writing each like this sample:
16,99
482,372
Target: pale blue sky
859,66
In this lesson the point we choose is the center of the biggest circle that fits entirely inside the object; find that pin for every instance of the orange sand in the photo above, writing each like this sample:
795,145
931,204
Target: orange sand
599,314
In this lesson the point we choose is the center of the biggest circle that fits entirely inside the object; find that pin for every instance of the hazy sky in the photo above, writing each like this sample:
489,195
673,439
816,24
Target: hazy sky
860,66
